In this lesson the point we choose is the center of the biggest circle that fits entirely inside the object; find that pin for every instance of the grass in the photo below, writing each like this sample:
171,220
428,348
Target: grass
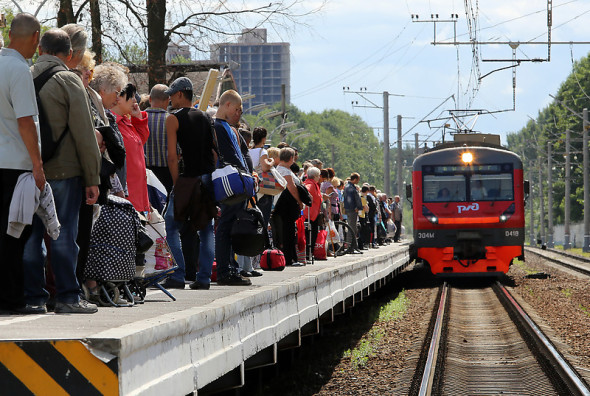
567,292
585,310
360,355
577,251
523,266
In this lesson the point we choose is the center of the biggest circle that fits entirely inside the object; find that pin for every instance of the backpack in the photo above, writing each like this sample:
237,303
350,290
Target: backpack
48,145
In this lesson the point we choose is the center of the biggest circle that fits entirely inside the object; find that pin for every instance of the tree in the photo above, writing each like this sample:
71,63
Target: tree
197,23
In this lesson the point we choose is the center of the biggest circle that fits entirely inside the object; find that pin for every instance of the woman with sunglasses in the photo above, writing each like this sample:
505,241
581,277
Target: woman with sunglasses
133,125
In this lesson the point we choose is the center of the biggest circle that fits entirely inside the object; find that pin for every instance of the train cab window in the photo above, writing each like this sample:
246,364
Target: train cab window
492,187
439,188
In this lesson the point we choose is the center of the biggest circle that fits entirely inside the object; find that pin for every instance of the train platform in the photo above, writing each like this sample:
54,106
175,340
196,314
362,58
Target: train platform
203,342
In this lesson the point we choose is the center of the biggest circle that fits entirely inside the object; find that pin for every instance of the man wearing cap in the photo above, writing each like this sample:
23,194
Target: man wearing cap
192,129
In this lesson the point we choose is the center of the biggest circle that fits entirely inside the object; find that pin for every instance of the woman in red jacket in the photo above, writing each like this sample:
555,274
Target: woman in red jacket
133,125
311,214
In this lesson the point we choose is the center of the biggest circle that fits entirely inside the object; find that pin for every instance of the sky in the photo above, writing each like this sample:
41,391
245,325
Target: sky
376,46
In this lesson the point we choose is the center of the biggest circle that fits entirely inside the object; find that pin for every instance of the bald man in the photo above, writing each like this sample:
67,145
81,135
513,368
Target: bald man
19,150
156,146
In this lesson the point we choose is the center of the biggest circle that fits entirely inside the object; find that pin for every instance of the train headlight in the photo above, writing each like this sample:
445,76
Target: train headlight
507,213
431,217
467,157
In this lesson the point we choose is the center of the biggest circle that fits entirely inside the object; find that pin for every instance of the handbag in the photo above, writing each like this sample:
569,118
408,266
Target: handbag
248,233
271,182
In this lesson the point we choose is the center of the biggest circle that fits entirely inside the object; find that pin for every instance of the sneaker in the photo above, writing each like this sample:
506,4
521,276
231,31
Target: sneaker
30,309
234,280
81,306
196,285
172,284
255,273
298,264
245,274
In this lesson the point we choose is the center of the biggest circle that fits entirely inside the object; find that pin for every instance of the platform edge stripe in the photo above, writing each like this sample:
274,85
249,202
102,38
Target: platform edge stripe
28,371
100,375
12,385
58,367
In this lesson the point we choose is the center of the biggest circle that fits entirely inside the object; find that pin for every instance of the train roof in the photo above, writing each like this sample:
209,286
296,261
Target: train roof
484,153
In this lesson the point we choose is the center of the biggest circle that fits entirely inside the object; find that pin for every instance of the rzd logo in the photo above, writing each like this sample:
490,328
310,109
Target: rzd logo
474,206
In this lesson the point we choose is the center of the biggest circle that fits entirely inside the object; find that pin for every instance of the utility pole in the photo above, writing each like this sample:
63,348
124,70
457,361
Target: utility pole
586,247
386,175
416,148
400,164
333,156
549,197
532,201
541,206
282,132
566,242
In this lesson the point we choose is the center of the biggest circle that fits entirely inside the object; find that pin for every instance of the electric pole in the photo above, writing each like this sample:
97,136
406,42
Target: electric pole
541,206
400,164
566,242
549,197
532,201
282,132
586,247
386,175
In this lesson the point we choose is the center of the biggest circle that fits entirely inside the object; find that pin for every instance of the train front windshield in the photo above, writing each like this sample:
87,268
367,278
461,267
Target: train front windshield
457,183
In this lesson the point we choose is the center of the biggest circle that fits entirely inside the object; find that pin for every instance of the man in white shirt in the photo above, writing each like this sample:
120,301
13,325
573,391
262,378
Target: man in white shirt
19,149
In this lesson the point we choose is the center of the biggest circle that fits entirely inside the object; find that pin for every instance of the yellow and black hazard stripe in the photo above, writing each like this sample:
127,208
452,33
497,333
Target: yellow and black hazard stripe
55,368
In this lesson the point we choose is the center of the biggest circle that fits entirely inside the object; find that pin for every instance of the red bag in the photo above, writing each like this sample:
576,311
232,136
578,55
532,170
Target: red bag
214,272
320,250
272,260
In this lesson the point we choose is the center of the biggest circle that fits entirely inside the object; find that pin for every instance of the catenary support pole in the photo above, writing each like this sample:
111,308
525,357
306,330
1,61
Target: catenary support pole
532,208
566,241
586,246
541,205
400,163
386,175
549,197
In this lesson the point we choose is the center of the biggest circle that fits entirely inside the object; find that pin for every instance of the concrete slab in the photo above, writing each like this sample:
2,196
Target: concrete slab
166,347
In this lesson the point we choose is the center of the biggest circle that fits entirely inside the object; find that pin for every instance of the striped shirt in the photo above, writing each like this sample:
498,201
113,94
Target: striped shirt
157,144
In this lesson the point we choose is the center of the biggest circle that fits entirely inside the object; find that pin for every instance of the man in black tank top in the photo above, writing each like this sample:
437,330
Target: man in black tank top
192,129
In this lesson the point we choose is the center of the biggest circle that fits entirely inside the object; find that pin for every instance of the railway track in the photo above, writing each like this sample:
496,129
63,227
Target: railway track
571,261
482,342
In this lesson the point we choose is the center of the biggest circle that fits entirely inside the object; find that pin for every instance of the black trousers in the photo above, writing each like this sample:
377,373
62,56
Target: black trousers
12,294
398,230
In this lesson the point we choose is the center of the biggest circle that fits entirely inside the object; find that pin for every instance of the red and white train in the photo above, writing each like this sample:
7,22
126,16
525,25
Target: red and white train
468,198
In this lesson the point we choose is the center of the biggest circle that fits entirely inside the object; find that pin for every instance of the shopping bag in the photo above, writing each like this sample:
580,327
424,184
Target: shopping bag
333,235
271,182
158,257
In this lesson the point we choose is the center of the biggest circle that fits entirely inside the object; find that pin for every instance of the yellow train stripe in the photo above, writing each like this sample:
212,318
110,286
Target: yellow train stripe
28,371
92,368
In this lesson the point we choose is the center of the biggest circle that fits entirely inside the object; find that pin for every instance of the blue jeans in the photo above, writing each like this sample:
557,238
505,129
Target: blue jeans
206,251
68,195
226,265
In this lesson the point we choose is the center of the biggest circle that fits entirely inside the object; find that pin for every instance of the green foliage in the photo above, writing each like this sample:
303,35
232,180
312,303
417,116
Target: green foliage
9,15
550,127
128,54
341,140
180,60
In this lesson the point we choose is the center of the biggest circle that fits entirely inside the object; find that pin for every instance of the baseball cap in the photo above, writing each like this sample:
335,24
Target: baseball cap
180,84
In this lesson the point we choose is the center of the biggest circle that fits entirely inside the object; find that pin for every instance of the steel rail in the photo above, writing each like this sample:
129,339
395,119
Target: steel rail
430,366
566,372
585,271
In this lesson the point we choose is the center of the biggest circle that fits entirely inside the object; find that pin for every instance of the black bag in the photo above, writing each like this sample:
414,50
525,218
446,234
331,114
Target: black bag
248,235
48,144
144,241
304,194
113,144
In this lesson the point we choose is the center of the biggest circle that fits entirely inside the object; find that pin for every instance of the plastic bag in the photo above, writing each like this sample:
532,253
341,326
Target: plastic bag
333,234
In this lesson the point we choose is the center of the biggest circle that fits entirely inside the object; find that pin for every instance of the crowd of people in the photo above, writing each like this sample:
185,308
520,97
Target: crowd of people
104,145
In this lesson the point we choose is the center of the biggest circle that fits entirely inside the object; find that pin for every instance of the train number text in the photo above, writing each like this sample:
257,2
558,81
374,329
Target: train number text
513,233
424,235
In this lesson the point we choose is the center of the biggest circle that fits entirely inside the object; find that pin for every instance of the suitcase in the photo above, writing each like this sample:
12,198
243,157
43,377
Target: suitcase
272,260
